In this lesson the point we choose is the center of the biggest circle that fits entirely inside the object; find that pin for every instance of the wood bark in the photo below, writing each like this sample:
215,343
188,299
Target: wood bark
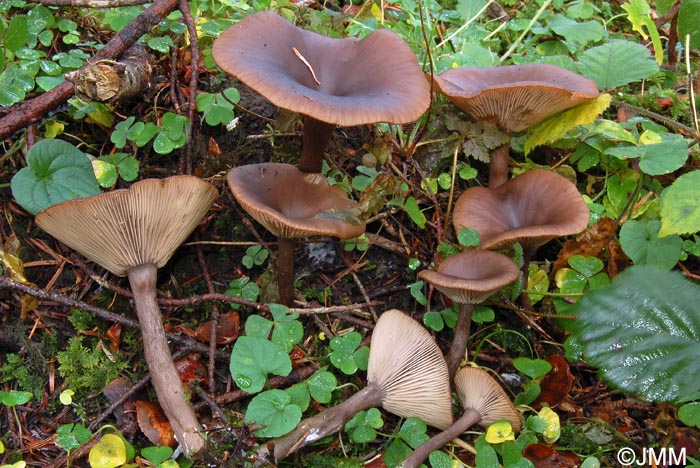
32,111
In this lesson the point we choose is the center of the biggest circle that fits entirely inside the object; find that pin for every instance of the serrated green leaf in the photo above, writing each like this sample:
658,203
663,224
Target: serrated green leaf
643,333
616,63
680,210
252,359
640,241
274,410
556,126
56,171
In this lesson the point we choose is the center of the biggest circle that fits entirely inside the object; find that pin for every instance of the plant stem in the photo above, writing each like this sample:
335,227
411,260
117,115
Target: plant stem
458,348
316,137
467,420
285,270
524,297
324,423
166,380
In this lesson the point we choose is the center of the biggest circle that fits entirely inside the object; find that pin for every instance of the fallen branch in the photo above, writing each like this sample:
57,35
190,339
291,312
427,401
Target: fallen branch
91,3
32,111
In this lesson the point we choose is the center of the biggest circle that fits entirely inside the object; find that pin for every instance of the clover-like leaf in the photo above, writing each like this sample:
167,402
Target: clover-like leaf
533,368
413,432
56,171
321,385
275,411
252,359
362,427
643,333
110,452
157,455
343,352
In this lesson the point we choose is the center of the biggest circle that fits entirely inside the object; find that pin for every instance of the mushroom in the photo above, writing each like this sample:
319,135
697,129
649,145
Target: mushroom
133,232
292,204
330,81
514,98
469,278
484,402
406,375
531,209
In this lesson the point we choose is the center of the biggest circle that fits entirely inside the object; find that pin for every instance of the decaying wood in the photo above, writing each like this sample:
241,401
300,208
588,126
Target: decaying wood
91,3
32,111
113,81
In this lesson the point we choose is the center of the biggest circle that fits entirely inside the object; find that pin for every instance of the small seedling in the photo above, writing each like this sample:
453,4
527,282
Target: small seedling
255,256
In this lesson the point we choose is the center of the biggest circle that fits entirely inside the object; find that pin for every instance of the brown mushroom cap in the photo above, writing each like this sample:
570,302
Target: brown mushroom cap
406,363
362,81
479,391
293,204
125,228
531,208
514,97
471,277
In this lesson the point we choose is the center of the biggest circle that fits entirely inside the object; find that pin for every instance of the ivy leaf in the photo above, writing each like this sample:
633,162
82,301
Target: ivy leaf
253,358
556,126
640,241
56,171
680,211
616,63
643,332
274,410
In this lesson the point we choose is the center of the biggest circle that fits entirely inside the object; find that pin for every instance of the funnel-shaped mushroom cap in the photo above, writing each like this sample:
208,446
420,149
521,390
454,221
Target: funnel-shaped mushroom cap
532,208
479,391
292,204
126,228
514,97
375,79
471,277
406,363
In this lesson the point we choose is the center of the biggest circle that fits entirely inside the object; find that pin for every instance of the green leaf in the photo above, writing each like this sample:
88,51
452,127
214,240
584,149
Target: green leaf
689,414
680,210
556,126
321,385
161,44
433,320
17,34
643,332
362,426
656,158
486,456
468,237
274,410
414,212
616,63
640,241
688,22
157,455
56,171
481,314
343,348
439,459
578,33
587,266
533,368
299,394
14,397
640,17
105,172
71,436
413,432
253,358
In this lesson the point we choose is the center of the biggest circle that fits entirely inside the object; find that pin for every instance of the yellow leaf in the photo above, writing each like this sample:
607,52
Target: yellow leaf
551,434
110,452
376,12
2,447
499,431
14,266
556,126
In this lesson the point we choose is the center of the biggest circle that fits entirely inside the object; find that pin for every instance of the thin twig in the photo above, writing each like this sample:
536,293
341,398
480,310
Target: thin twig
308,65
214,319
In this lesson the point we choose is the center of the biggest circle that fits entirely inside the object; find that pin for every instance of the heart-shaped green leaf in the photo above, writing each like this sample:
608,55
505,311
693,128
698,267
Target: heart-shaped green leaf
274,410
643,332
56,171
641,242
253,358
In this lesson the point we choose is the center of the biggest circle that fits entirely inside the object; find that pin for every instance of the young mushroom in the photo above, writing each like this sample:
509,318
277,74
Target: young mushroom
514,98
531,209
406,375
469,278
484,402
292,204
133,232
329,81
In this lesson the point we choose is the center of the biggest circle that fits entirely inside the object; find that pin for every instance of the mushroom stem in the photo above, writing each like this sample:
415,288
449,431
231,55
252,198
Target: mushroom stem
524,297
467,420
285,270
316,137
498,167
166,380
458,348
324,423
